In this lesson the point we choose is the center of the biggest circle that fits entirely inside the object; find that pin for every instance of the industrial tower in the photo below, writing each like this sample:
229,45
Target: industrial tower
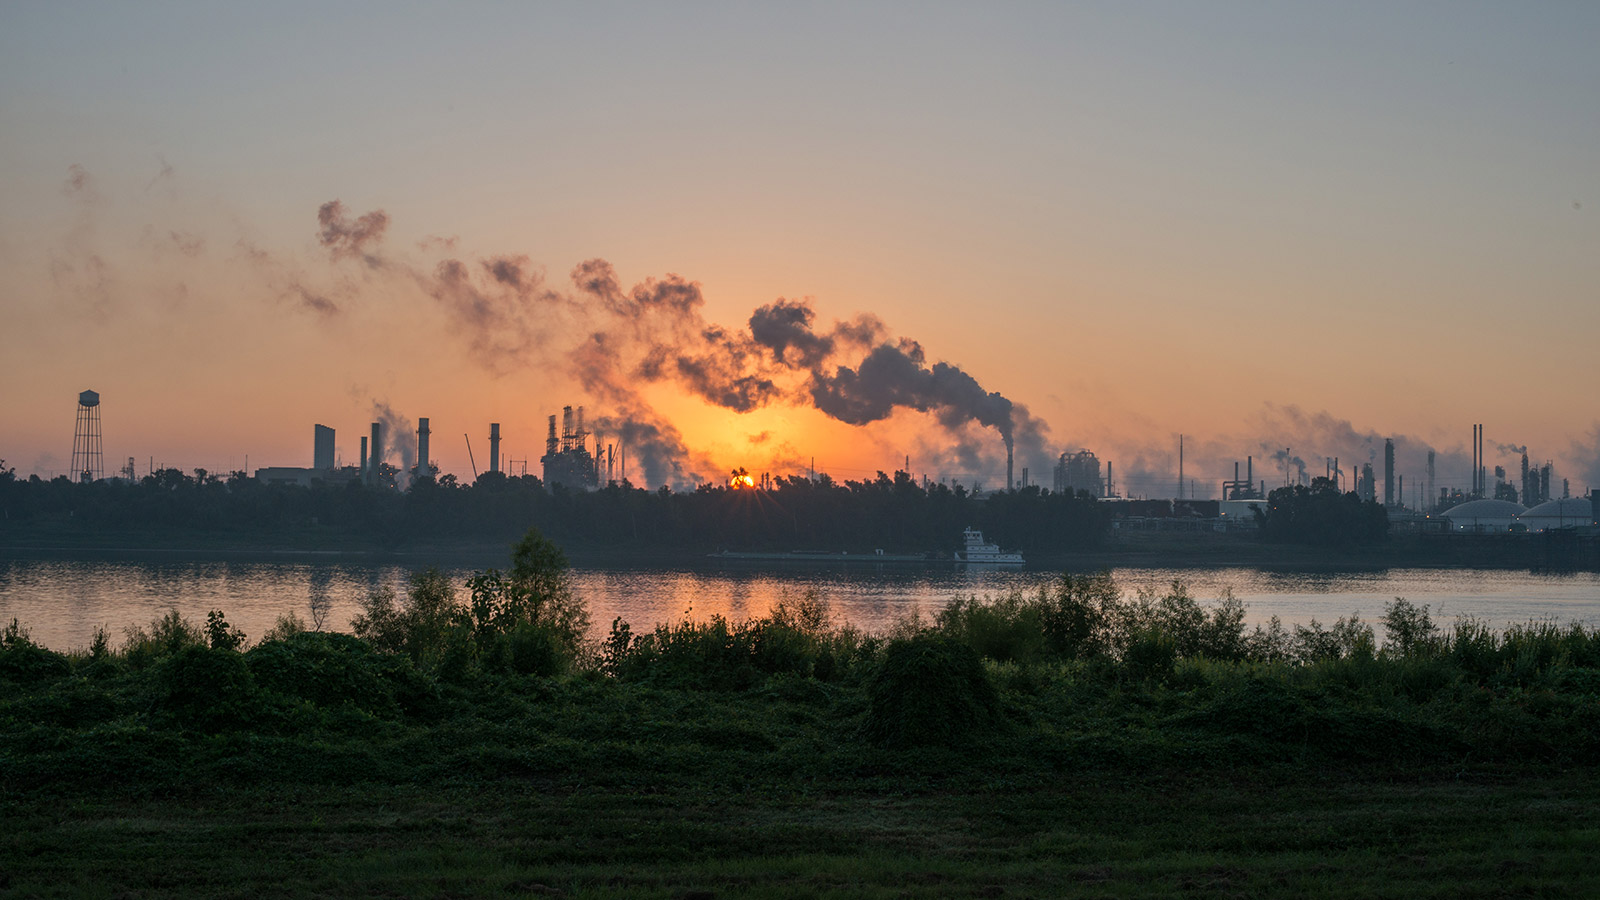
86,460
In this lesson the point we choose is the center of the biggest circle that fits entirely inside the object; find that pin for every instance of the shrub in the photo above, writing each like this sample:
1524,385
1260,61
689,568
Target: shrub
220,634
1407,628
208,689
1151,654
1007,628
1076,615
24,662
929,690
168,635
326,669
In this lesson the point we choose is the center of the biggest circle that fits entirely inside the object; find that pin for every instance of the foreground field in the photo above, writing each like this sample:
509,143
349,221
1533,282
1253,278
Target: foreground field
1077,743
1301,835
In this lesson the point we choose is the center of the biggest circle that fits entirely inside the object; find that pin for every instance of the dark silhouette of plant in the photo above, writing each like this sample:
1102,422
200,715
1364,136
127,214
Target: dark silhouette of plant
929,690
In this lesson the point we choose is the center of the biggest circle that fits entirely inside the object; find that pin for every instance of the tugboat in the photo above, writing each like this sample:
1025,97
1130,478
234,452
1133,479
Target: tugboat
977,551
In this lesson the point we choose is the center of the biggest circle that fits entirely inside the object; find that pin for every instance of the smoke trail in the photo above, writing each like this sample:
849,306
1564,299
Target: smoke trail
618,339
345,238
398,434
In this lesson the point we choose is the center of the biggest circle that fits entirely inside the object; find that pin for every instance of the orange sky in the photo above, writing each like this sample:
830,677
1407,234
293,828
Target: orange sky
1261,229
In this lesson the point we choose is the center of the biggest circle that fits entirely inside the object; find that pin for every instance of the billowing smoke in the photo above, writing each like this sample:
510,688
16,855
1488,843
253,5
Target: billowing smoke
656,332
1586,454
1511,449
399,436
346,238
1288,462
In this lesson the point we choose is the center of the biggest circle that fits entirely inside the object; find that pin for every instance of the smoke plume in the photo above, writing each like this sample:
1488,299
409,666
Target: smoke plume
398,434
615,340
345,238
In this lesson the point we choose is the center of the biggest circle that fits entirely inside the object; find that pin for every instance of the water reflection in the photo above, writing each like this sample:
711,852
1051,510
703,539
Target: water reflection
62,602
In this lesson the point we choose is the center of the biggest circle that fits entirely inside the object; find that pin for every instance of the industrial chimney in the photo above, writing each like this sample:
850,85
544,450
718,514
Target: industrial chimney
494,446
375,457
1388,472
423,469
1010,485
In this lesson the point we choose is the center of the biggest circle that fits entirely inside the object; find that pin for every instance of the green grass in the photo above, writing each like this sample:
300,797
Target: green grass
1330,835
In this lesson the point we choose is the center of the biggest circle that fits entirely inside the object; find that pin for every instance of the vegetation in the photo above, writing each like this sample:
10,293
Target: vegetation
1070,741
1320,515
893,513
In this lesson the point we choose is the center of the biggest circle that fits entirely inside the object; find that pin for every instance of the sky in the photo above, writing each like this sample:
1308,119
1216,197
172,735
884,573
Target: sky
858,234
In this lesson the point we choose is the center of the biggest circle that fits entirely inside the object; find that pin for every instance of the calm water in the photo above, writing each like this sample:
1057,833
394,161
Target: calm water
61,602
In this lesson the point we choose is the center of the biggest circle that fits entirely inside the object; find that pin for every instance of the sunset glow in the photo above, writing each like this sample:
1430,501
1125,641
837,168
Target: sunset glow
1100,227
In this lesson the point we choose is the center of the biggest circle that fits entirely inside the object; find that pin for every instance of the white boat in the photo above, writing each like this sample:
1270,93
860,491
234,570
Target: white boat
978,551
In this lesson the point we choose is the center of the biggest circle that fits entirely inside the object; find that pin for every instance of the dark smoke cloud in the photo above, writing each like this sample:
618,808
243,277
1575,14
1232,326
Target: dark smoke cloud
653,449
655,332
500,305
286,281
1511,449
1283,458
79,183
349,239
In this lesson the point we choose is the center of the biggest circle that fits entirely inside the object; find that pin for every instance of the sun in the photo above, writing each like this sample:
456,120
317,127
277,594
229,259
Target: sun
740,480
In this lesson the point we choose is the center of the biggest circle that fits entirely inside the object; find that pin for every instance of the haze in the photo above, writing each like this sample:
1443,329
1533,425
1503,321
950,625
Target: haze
1266,229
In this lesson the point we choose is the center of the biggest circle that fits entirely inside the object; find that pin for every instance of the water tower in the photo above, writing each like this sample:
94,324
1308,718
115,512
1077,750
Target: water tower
86,461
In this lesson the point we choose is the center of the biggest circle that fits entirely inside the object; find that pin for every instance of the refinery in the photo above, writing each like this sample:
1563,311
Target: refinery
1495,499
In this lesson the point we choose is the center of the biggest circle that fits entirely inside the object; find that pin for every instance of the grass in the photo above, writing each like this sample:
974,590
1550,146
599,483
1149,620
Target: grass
1163,836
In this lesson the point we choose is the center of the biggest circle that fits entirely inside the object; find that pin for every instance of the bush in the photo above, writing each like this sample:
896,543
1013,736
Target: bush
329,670
208,689
1408,629
1006,629
929,690
24,662
168,635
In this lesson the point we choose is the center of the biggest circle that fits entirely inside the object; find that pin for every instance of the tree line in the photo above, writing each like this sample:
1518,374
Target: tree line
893,513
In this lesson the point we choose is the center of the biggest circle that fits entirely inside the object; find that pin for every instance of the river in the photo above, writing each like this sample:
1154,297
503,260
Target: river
62,602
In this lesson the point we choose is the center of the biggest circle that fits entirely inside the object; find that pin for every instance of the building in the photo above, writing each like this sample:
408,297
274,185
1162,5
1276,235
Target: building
1569,512
1486,516
567,460
1079,472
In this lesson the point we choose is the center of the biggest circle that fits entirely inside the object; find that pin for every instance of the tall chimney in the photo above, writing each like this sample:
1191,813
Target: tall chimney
375,454
1010,484
423,469
1180,466
1388,472
494,446
363,468
1250,472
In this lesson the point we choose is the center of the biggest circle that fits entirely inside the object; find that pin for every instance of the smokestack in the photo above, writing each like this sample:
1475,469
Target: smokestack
1388,472
1111,486
1427,503
1474,460
375,457
1250,471
423,469
363,469
322,447
494,446
1180,466
1011,485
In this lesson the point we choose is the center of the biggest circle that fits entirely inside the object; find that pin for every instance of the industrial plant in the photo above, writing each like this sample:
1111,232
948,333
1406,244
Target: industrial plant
576,459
